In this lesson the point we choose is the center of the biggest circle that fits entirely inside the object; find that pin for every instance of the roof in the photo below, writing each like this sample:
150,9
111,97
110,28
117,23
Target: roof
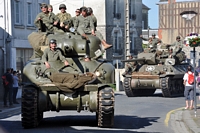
145,7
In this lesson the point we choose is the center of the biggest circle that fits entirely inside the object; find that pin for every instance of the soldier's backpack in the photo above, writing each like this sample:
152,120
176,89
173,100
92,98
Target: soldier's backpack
4,78
191,78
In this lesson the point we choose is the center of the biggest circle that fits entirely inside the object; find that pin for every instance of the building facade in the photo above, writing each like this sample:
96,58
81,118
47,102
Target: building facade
178,17
111,23
17,22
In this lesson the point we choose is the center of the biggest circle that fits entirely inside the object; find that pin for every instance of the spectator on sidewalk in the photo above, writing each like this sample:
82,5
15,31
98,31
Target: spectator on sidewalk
7,83
189,90
15,87
198,83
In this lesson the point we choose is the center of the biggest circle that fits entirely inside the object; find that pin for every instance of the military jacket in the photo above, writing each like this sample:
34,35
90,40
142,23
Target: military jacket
176,46
63,16
85,23
47,21
94,21
50,55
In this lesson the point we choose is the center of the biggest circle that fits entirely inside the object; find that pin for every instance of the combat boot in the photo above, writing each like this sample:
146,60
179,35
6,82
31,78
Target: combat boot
105,45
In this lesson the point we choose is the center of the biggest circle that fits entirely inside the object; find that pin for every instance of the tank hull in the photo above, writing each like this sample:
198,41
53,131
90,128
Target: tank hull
151,77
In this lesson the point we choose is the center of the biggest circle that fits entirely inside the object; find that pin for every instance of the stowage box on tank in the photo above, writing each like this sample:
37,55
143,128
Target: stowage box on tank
79,86
149,72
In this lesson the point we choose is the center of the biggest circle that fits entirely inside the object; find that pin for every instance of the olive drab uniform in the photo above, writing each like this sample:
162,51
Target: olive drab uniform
98,34
130,67
64,18
46,22
51,56
176,48
84,25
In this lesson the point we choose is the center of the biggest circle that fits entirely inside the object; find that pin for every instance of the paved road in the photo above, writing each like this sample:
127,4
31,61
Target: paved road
136,114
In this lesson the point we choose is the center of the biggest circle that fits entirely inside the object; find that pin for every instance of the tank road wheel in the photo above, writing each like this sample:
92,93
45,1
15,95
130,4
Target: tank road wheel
105,113
127,87
167,86
30,114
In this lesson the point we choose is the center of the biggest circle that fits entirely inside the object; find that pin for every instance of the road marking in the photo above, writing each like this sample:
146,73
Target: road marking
172,111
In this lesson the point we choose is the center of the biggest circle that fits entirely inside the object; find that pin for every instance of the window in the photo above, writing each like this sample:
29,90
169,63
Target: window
29,14
22,56
116,42
17,12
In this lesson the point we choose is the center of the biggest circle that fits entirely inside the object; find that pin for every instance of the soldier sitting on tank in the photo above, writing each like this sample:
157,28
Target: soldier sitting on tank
98,34
53,54
154,39
130,66
151,46
64,17
46,21
84,25
69,24
176,47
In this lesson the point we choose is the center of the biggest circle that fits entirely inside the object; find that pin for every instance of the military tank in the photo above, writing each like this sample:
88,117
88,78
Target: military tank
80,86
151,72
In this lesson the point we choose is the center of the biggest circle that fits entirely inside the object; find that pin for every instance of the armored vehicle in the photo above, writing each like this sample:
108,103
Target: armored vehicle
150,71
81,86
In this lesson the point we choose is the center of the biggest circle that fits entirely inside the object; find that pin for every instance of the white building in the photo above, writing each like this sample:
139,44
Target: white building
16,23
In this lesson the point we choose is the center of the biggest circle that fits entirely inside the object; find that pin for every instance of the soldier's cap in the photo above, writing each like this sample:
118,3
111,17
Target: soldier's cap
43,5
52,41
50,6
62,6
153,34
178,37
83,9
86,56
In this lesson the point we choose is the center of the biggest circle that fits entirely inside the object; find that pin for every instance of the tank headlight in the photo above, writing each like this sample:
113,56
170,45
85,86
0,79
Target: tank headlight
97,73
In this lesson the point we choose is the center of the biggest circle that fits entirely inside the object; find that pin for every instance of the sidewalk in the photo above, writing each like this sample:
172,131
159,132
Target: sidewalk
6,112
185,121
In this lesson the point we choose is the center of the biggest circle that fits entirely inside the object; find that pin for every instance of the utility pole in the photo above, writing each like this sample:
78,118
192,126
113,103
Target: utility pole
127,29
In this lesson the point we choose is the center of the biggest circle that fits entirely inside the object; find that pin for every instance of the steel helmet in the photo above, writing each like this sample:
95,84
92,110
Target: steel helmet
52,41
62,6
178,37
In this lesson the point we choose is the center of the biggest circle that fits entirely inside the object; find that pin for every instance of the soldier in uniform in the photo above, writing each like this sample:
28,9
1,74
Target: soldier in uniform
177,46
151,46
69,25
53,54
84,24
154,39
98,34
46,21
63,16
130,66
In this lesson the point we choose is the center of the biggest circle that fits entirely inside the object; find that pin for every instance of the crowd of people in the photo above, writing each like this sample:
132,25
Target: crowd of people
11,80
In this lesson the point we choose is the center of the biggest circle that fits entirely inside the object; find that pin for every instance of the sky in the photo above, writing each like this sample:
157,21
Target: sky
153,12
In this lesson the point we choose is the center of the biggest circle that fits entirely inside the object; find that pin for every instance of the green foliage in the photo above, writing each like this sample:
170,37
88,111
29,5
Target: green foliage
194,42
113,86
144,46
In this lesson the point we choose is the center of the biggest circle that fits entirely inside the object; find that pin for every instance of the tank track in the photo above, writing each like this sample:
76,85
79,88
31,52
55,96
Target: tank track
127,87
165,85
30,117
170,89
105,115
